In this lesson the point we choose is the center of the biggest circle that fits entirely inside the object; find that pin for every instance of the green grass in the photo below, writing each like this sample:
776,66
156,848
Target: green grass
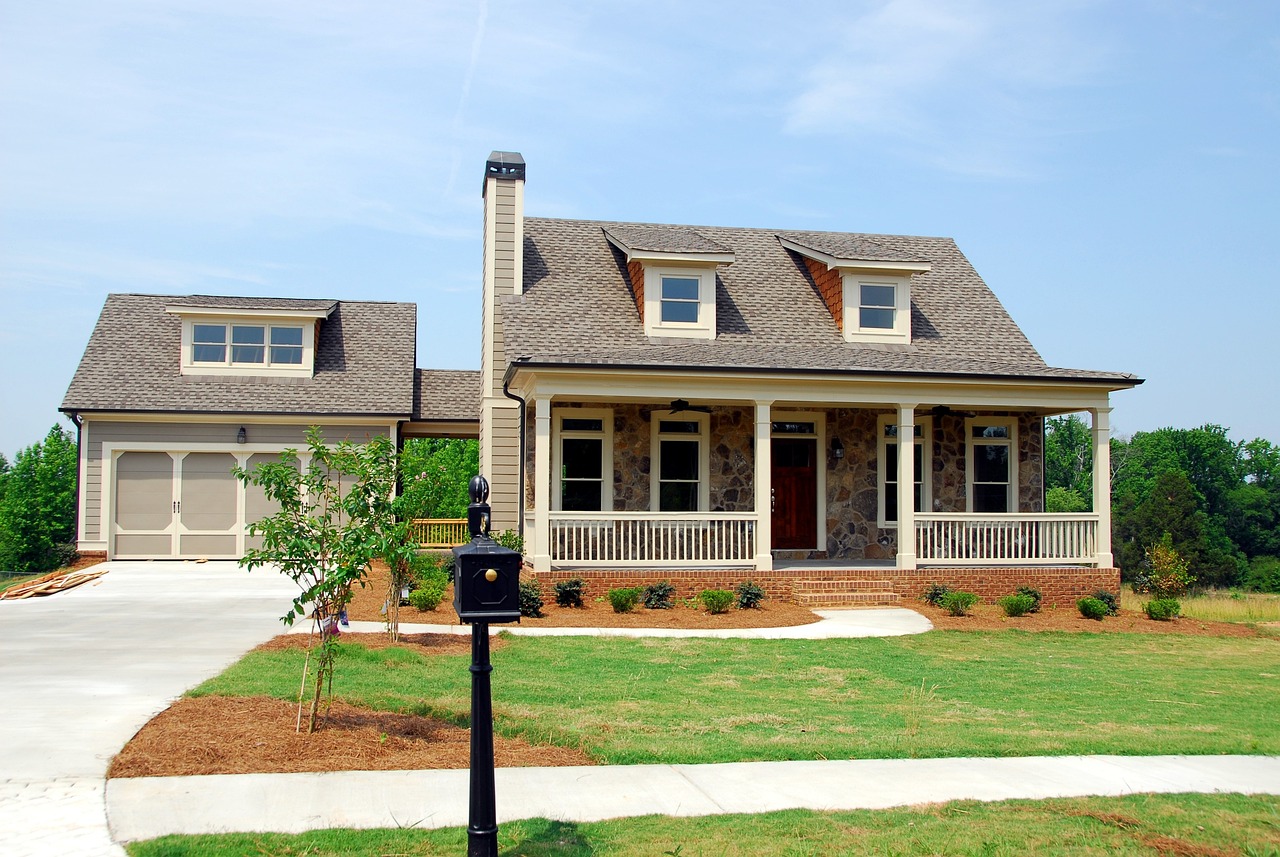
1144,825
1217,605
8,580
1003,693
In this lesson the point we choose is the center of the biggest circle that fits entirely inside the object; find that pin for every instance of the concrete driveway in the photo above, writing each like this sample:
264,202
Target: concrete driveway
83,670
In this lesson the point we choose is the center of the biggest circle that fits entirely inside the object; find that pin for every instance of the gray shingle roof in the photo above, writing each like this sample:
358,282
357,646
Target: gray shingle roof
243,303
446,394
842,245
663,239
577,308
364,362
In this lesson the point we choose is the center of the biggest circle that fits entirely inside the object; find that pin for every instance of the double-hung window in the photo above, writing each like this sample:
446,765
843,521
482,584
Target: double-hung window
680,302
680,479
922,452
583,462
680,299
876,306
992,464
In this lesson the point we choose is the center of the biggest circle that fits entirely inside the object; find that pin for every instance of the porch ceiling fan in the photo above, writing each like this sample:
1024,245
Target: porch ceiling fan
940,411
680,405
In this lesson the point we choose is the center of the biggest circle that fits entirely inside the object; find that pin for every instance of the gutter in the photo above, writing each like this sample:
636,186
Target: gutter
506,382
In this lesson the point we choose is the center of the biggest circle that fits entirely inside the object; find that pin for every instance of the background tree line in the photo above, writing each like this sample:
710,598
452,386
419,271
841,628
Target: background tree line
1218,499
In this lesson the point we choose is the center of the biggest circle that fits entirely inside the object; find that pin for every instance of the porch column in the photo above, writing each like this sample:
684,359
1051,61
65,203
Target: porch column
764,487
906,486
541,485
1102,483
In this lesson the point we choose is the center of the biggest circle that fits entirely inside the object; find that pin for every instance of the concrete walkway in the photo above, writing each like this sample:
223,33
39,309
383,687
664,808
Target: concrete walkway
291,803
83,670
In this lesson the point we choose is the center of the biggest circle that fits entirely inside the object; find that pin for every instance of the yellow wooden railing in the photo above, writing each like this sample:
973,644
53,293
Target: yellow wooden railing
440,532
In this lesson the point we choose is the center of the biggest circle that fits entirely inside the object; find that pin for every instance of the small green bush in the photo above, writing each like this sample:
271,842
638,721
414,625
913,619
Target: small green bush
716,600
427,596
1162,609
531,599
1016,605
1092,608
1035,597
1263,574
934,594
1109,599
569,592
657,596
624,600
1166,573
511,540
749,595
957,602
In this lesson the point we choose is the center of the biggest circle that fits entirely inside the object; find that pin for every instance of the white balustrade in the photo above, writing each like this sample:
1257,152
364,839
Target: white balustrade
1014,539
652,539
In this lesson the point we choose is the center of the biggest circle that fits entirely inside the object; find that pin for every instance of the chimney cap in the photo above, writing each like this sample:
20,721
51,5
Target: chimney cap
504,165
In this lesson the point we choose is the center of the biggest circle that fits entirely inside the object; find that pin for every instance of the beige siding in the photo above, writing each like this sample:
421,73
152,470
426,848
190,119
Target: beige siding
167,436
504,469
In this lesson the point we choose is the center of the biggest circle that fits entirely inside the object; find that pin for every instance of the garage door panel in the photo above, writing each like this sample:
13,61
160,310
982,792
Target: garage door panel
144,491
207,545
256,504
208,493
135,545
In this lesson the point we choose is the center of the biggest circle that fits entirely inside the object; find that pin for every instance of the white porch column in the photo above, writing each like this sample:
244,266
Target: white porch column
1102,483
764,487
906,486
542,485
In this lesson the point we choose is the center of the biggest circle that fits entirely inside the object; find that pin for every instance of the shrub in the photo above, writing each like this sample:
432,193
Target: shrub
1109,599
1035,597
657,596
531,599
511,540
624,600
1091,608
1016,605
569,592
427,596
749,595
1166,574
716,600
1263,574
934,594
1163,609
957,602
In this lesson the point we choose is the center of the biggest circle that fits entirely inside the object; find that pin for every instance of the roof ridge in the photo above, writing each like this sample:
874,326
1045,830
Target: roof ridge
758,229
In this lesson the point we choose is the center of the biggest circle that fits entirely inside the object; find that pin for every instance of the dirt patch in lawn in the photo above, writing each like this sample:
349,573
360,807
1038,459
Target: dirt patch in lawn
988,617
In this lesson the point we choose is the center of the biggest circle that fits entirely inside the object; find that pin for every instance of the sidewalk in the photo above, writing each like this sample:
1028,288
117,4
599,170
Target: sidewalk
290,803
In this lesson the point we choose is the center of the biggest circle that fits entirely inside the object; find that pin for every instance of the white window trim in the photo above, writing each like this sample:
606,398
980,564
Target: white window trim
704,454
1011,441
704,328
925,442
605,415
305,369
819,420
852,298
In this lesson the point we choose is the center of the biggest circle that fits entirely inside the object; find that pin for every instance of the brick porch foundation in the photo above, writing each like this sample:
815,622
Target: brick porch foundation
1060,586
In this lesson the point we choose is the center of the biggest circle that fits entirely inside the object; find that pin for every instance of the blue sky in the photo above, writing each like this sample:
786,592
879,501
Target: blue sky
1112,169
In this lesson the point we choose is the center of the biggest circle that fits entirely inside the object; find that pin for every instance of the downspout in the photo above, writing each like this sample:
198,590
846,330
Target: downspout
506,382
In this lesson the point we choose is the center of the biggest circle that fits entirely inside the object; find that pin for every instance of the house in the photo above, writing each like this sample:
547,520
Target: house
653,401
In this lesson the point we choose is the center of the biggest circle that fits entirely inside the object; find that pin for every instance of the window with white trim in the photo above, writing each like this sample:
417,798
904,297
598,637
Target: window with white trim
582,459
680,470
992,465
680,302
922,450
877,308
247,346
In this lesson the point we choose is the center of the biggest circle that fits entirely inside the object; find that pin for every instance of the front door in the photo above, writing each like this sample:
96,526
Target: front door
795,493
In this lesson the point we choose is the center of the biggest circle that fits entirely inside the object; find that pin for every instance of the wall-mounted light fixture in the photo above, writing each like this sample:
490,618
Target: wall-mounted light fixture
837,448
242,435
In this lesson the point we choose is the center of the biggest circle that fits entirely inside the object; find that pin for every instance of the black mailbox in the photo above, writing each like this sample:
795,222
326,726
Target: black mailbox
486,576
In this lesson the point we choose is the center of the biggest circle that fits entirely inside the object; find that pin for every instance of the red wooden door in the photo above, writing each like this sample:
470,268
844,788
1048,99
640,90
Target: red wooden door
795,493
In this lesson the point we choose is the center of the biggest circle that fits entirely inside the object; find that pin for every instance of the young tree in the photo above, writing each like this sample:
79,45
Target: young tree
335,517
38,505
1068,457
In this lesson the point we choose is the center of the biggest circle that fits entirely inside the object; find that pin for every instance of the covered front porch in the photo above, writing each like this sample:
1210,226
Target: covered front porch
801,471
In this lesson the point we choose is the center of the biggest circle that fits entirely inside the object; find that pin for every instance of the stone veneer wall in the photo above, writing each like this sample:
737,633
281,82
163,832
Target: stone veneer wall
1060,586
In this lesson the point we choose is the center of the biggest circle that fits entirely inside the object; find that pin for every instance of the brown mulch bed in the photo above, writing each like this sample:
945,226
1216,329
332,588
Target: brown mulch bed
988,617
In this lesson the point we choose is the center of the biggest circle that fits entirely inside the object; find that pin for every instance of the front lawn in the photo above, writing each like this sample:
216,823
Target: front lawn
1135,825
627,701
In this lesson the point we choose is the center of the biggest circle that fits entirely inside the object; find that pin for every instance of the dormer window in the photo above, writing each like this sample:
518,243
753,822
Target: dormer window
866,286
246,340
672,272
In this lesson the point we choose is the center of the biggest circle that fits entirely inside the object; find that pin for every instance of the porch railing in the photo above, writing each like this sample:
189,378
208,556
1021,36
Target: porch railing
654,539
1013,539
439,532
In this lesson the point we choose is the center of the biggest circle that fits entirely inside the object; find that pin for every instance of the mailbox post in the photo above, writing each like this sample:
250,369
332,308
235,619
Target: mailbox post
486,588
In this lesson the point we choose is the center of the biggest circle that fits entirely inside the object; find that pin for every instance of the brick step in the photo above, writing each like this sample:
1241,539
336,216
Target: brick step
842,585
846,598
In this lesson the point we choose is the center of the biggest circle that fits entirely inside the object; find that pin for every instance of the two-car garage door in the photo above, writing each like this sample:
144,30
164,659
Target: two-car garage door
184,504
